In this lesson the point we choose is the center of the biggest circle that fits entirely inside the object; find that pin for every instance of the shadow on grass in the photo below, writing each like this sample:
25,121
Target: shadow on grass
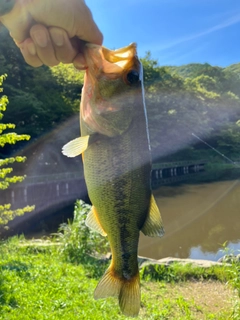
7,298
94,267
17,266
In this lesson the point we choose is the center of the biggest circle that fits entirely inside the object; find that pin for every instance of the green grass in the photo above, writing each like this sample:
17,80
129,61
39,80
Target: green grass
36,282
56,280
176,272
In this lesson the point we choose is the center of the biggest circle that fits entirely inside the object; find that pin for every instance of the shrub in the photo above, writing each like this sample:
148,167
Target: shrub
6,177
78,242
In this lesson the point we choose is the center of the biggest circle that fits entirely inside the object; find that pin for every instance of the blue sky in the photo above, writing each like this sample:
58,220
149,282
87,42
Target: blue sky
175,31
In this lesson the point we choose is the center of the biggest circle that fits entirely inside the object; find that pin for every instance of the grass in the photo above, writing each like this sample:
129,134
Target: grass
55,280
36,282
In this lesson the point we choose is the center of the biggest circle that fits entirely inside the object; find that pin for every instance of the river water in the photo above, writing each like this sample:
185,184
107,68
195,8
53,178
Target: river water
198,220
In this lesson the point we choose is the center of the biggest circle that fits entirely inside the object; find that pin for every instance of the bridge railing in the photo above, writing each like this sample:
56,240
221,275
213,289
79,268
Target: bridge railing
67,176
163,165
36,188
165,173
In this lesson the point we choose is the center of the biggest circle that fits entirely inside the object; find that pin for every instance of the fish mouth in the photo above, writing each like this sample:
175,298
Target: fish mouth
106,88
110,62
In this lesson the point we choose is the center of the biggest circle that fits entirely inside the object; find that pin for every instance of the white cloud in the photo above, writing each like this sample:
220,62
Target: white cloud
231,21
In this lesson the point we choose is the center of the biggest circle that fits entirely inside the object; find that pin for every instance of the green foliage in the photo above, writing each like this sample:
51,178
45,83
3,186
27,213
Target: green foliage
234,68
36,283
150,67
203,84
190,70
70,80
40,98
77,241
194,98
6,214
6,177
233,272
180,272
9,137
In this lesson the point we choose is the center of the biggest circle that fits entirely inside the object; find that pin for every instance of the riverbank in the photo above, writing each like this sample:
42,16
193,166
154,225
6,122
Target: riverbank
38,282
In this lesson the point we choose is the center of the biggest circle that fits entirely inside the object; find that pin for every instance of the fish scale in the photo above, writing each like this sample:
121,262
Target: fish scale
117,166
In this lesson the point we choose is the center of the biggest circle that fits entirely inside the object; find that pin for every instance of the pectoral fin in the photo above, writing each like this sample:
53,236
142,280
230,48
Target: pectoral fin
153,225
92,222
75,147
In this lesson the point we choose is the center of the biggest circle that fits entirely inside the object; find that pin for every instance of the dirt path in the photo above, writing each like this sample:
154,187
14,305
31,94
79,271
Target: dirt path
193,300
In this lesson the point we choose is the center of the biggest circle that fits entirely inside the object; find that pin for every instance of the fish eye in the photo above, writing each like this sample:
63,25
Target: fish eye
132,77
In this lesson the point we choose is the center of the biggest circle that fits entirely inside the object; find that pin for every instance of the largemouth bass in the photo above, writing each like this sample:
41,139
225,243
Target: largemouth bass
117,166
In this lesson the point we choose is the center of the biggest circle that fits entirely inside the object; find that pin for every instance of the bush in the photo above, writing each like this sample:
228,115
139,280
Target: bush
78,242
6,177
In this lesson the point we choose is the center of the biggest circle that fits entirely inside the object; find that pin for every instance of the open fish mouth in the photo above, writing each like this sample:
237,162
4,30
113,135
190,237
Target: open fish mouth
110,84
111,62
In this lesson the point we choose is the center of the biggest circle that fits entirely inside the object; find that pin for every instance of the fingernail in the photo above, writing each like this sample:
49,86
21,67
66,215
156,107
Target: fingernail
57,38
31,48
41,39
80,66
79,62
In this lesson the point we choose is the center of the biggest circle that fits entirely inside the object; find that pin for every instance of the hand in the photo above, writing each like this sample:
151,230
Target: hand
67,22
51,46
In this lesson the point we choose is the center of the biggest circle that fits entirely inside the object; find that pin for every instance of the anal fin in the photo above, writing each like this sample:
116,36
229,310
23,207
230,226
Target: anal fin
153,225
75,147
108,286
93,222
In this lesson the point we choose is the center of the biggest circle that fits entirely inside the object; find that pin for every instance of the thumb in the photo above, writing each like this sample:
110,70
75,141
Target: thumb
85,27
16,18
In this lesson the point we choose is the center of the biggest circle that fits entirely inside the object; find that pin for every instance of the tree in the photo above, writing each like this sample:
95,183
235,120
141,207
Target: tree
6,177
40,98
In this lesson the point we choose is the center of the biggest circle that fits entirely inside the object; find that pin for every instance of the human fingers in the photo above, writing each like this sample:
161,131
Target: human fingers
64,49
29,53
43,44
73,16
79,62
86,28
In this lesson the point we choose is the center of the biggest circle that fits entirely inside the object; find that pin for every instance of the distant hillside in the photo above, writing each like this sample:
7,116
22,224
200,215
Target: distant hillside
193,70
234,68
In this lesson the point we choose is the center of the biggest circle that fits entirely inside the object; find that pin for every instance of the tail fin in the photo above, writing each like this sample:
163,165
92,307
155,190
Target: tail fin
127,291
130,297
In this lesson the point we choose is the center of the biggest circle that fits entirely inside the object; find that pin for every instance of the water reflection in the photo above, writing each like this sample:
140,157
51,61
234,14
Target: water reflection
198,219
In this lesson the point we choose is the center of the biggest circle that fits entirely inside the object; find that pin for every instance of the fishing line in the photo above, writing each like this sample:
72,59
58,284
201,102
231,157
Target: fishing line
221,154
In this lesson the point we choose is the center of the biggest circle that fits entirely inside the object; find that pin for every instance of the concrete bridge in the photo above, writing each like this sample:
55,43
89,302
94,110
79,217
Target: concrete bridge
170,172
49,194
53,193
